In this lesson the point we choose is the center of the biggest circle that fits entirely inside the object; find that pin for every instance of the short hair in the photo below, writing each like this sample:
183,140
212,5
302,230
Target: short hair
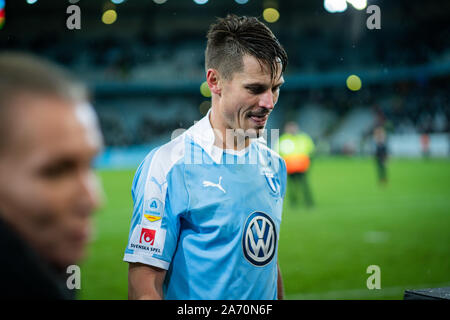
22,73
232,37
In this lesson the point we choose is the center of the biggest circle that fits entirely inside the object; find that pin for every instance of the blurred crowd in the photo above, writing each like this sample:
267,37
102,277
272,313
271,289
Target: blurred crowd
168,52
330,114
140,57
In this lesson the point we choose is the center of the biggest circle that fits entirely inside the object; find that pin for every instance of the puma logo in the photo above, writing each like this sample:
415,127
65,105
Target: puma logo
215,185
159,185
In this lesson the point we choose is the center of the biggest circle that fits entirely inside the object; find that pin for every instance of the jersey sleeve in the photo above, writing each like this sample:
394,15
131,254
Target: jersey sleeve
160,198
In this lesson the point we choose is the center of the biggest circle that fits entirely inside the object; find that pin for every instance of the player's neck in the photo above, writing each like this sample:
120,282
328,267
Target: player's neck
226,138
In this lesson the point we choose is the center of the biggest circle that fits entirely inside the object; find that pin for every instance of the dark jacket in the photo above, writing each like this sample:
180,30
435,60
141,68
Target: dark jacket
24,275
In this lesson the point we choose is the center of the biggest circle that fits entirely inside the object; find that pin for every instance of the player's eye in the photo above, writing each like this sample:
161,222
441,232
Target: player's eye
58,169
256,89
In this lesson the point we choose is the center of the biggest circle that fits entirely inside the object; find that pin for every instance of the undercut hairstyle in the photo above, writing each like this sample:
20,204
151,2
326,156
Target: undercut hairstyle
232,37
22,73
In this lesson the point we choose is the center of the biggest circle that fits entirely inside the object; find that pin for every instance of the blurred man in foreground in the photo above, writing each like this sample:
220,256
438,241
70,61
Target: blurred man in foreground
296,148
48,191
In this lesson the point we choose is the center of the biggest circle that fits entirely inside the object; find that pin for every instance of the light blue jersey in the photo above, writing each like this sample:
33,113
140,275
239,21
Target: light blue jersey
210,217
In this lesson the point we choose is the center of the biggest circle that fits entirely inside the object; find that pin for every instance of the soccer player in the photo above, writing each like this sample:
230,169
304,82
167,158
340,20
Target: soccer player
47,188
208,204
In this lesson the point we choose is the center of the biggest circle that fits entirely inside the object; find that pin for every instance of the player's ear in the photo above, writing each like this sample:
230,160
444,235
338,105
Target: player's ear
213,80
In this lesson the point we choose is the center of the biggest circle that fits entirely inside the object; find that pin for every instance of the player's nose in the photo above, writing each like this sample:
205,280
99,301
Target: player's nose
267,100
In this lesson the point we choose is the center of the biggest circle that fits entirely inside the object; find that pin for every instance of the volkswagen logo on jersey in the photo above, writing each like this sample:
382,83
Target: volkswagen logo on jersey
259,239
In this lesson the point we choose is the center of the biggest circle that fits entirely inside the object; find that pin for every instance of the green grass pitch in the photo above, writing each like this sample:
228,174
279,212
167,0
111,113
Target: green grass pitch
324,252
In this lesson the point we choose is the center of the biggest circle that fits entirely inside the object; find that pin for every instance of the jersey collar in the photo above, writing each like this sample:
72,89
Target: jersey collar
202,133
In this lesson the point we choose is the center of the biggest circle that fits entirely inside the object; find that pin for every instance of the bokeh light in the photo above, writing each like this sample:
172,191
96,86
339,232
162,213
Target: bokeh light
31,1
241,1
159,1
271,15
109,17
333,6
200,1
358,4
117,1
204,90
354,82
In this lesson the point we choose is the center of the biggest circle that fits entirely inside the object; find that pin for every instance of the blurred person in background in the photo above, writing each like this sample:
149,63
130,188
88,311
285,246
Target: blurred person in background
296,147
425,145
208,229
48,190
379,137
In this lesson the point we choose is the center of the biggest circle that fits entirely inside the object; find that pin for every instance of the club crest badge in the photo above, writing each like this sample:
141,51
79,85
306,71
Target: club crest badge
272,181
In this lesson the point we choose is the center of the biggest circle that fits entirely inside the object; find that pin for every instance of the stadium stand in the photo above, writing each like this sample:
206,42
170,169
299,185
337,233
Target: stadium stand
146,76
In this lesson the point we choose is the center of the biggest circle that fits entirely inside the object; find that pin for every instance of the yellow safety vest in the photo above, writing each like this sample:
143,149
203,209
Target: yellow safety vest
296,151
